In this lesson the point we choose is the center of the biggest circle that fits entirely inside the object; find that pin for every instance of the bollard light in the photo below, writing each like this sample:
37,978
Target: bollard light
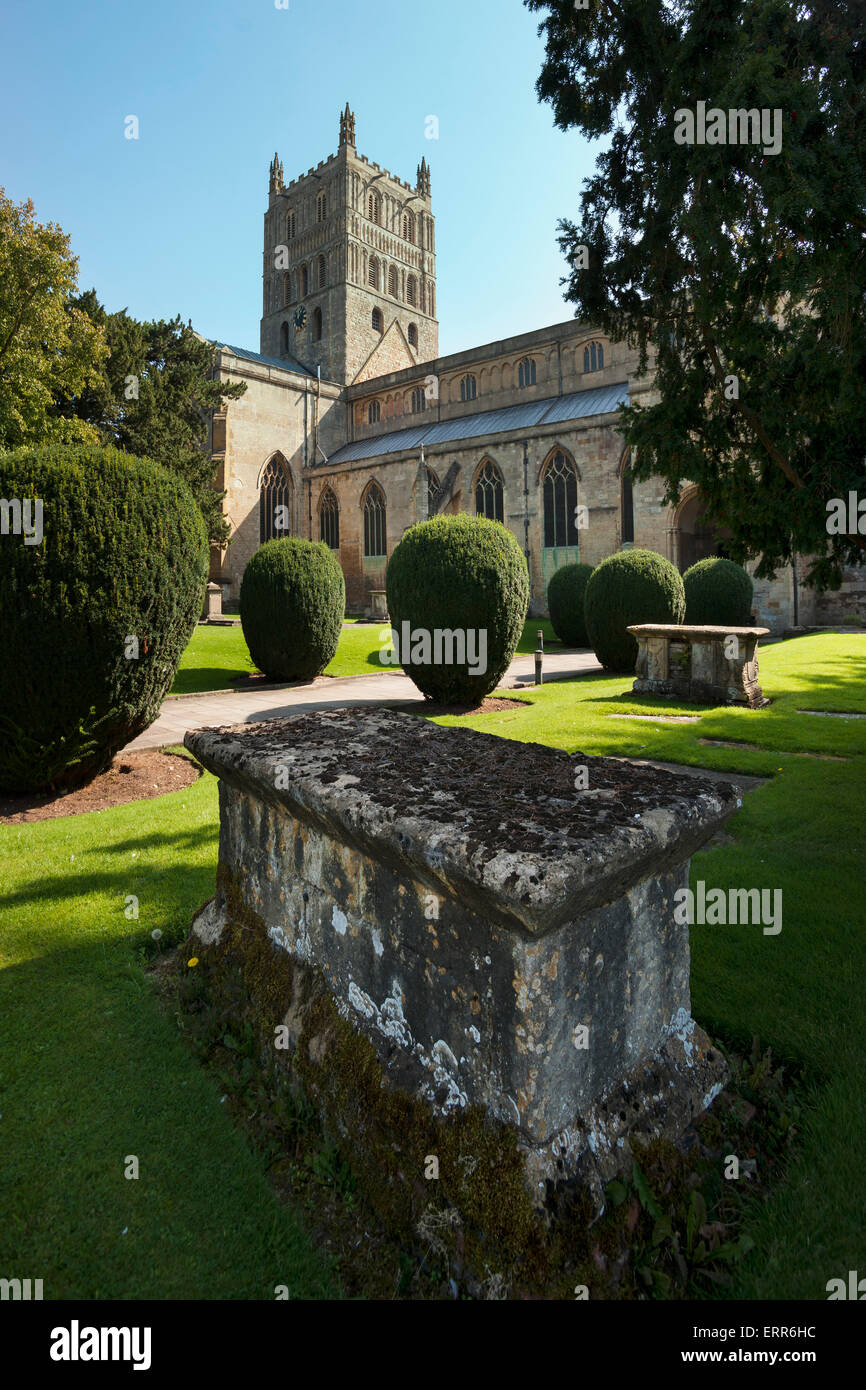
539,657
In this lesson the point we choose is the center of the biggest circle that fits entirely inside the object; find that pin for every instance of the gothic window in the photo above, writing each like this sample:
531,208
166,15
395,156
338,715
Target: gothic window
374,412
560,502
322,272
593,357
321,207
489,492
305,282
374,521
329,520
287,287
412,291
373,273
408,226
284,339
468,388
626,507
433,489
392,281
377,320
526,372
291,226
431,301
419,400
374,208
317,326
275,500
413,335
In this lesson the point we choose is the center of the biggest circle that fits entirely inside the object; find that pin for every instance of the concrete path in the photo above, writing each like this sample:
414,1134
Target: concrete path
182,712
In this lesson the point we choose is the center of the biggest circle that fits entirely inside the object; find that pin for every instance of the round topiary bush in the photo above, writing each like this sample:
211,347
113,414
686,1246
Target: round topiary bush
293,598
458,589
719,593
632,586
95,612
565,594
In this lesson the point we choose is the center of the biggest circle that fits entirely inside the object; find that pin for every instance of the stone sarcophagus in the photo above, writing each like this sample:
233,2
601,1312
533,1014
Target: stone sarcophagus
496,918
711,665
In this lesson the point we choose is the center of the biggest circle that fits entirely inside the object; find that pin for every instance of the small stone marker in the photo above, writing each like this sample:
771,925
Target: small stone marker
710,665
503,940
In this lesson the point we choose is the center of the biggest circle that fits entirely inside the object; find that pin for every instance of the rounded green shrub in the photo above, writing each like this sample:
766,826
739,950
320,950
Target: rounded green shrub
632,586
718,593
565,594
293,599
95,613
457,587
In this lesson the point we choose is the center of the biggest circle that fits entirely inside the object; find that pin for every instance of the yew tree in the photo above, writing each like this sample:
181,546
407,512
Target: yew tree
738,274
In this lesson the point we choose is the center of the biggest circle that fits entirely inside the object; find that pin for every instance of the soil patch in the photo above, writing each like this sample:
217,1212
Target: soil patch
131,777
487,706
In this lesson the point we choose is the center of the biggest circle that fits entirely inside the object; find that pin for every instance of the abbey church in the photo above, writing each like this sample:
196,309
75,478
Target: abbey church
353,428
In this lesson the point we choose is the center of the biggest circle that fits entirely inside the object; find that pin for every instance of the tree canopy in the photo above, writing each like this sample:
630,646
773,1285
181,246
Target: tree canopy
737,268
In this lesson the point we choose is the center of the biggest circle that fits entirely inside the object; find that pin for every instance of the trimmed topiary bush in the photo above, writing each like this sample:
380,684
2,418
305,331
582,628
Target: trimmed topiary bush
632,586
719,593
293,598
95,616
461,577
565,594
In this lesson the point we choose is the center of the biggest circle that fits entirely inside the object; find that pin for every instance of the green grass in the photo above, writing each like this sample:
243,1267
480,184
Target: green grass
802,991
91,1071
218,655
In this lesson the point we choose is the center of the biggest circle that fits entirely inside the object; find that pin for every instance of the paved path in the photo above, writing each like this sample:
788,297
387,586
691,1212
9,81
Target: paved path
182,712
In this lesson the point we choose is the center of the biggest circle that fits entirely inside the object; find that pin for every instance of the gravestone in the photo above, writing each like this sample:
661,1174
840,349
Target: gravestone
710,665
495,918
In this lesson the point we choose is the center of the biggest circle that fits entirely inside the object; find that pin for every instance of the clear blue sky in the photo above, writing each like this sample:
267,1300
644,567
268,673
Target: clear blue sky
172,222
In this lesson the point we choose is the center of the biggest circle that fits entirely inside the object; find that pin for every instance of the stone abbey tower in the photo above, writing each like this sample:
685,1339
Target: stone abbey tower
349,270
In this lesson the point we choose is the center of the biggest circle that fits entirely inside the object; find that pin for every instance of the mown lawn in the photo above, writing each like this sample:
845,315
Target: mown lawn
91,1070
218,655
800,992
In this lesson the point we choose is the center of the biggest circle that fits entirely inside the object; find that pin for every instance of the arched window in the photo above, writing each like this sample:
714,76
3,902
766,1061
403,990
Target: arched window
593,357
431,301
317,326
409,226
412,291
560,502
374,522
275,500
374,413
468,387
434,487
489,492
419,400
626,507
526,372
329,520
287,287
284,339
392,281
291,226
373,273
305,282
321,207
413,335
377,320
374,208
322,271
